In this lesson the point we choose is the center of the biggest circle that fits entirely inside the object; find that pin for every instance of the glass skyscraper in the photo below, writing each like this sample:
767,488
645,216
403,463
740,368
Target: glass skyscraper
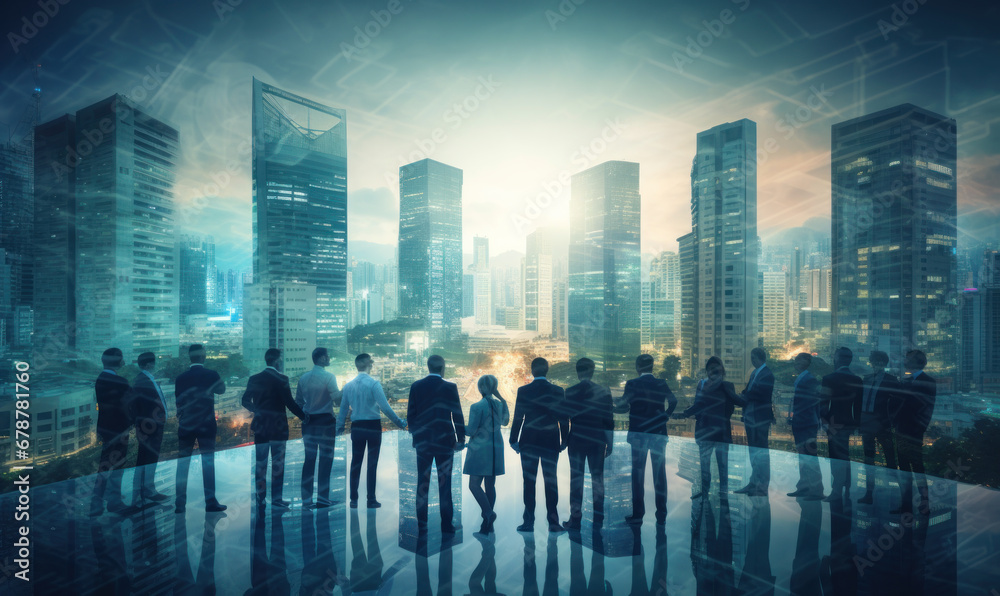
538,282
430,246
894,238
483,297
605,265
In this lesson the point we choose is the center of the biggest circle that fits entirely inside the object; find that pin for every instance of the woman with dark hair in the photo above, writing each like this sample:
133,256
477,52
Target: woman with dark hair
485,458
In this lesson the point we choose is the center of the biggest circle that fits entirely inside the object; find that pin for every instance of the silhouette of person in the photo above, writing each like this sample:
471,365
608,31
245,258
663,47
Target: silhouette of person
316,392
805,578
268,395
756,576
268,571
320,572
805,422
840,410
367,566
195,390
876,427
911,415
484,459
110,576
578,583
712,547
483,579
591,439
202,582
757,419
149,409
362,398
113,422
445,573
550,581
649,402
435,419
843,569
658,582
539,409
713,406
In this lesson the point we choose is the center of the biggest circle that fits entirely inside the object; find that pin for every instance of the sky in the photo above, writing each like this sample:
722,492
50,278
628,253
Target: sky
521,96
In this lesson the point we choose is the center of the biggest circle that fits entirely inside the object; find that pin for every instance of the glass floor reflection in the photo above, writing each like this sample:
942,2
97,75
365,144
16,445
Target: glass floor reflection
721,545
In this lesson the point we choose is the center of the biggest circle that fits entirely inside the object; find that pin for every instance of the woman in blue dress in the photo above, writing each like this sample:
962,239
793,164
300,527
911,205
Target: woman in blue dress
484,460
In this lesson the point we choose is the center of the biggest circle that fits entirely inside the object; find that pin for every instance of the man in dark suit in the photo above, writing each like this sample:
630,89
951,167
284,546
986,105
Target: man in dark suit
879,388
911,416
840,412
805,423
758,416
435,420
539,409
149,410
591,439
268,395
195,391
113,424
649,402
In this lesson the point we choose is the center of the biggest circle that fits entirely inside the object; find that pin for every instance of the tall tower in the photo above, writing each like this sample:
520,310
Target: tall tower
481,287
538,311
430,246
605,264
719,257
894,238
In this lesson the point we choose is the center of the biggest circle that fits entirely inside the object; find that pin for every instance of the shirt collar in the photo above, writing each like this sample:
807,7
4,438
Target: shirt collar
646,373
847,368
540,379
802,374
435,375
108,370
275,370
194,364
759,368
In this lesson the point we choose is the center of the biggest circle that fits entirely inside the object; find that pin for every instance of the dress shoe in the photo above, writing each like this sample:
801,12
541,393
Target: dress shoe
354,503
834,497
215,507
633,520
757,492
484,528
812,497
696,495
798,493
374,504
155,497
572,524
323,502
746,490
526,527
901,510
280,504
868,499
556,528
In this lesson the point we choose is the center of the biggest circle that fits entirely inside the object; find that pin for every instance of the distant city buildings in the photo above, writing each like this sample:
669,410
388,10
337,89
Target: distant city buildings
482,291
772,305
196,254
979,353
538,261
280,315
16,243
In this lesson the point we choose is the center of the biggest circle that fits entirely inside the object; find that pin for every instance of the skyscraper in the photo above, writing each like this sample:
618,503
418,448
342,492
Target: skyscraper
430,246
773,308
894,237
280,315
665,285
126,243
719,257
538,282
300,201
483,299
193,276
16,222
605,264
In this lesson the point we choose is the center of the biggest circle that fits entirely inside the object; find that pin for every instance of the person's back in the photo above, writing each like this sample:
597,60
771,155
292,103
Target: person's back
915,404
806,402
650,402
195,395
712,422
540,403
842,393
589,408
112,392
432,413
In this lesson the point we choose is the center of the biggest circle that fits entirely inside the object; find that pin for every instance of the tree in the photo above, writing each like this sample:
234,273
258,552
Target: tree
671,366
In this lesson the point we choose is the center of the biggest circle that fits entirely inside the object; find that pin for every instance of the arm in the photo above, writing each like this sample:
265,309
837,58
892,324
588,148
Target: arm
383,404
824,394
608,422
300,397
515,427
248,397
286,396
736,398
562,419
345,407
624,404
698,405
220,386
410,408
859,396
335,396
456,414
671,403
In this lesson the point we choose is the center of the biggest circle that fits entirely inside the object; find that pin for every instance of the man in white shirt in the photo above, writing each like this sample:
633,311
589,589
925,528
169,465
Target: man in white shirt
363,398
316,394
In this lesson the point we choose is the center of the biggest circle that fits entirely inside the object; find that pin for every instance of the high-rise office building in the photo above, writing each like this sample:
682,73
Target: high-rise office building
193,275
605,264
817,284
538,282
16,223
773,308
665,284
300,201
483,300
894,236
280,315
719,256
469,293
126,244
979,353
430,247
560,295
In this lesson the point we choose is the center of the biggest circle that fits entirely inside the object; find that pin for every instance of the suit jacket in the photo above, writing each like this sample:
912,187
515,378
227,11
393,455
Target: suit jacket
650,403
539,409
112,404
805,405
434,415
145,402
841,396
268,394
758,408
588,408
914,407
712,409
885,395
195,391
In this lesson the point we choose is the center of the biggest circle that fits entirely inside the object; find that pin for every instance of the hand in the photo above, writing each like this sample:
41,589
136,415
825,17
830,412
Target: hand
608,451
516,448
403,425
459,447
563,446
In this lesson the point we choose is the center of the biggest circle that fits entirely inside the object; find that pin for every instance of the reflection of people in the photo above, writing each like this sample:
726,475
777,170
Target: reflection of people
876,426
649,402
363,398
550,580
911,416
445,573
113,424
484,460
805,426
840,409
591,439
316,392
578,583
149,410
712,547
320,573
195,391
538,408
435,419
757,577
484,577
366,565
268,572
658,583
757,419
204,581
268,394
805,577
714,403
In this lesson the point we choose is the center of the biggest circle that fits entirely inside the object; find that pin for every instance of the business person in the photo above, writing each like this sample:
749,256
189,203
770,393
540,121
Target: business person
484,459
195,390
268,396
591,439
880,388
805,424
649,402
840,411
149,410
758,416
316,392
362,398
113,423
714,403
911,416
435,420
538,433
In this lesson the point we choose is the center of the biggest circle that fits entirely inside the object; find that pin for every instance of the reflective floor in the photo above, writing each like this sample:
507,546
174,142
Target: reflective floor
720,545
